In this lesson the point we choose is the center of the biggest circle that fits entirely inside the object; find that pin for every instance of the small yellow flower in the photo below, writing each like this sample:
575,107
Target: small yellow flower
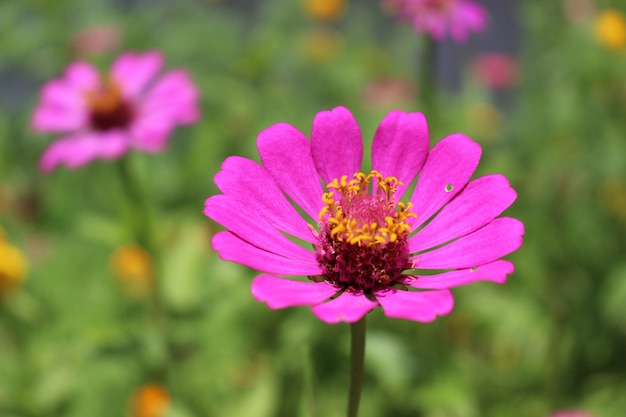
13,267
133,267
610,27
325,9
151,400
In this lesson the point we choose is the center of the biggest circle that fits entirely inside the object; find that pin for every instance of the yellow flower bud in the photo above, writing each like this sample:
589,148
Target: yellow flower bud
610,27
13,267
325,9
150,400
134,268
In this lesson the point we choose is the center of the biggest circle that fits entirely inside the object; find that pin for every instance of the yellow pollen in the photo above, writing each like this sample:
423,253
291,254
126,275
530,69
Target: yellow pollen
105,99
362,211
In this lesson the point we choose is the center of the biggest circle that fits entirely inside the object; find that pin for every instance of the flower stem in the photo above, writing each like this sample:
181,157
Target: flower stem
428,80
357,357
139,208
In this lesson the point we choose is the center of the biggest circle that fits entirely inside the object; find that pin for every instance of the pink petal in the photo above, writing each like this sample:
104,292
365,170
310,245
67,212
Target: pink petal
253,186
336,144
250,225
494,272
495,240
400,147
286,154
47,119
76,151
59,94
423,306
348,307
133,71
436,27
81,76
479,203
233,248
150,134
281,293
174,97
449,166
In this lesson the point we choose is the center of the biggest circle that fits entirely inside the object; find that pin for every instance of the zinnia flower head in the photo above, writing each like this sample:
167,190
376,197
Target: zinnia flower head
439,17
367,246
495,70
103,116
96,40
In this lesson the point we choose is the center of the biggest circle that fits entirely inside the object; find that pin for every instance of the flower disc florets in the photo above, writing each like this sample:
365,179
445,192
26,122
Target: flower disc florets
107,108
363,239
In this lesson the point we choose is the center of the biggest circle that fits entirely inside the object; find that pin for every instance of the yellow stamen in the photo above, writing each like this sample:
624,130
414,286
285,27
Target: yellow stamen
348,210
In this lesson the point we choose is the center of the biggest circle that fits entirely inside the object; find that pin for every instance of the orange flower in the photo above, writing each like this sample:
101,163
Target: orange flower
150,400
133,267
610,27
13,266
325,9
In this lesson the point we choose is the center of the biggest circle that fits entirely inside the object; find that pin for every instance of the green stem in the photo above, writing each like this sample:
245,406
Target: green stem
428,84
139,210
357,358
308,386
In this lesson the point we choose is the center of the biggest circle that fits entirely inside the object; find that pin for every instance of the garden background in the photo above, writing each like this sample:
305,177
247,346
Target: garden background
82,333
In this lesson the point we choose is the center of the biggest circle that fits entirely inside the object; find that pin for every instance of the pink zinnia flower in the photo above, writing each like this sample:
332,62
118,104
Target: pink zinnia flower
96,40
368,248
571,413
437,17
104,116
495,70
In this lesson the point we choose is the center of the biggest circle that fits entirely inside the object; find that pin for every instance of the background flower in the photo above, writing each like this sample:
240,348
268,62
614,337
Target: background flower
439,17
495,70
13,266
104,116
366,253
610,27
150,400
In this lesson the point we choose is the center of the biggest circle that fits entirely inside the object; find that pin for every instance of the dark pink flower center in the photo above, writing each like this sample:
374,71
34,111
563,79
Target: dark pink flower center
108,109
363,240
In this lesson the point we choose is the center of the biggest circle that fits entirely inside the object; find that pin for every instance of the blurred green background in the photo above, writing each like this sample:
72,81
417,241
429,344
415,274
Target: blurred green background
75,342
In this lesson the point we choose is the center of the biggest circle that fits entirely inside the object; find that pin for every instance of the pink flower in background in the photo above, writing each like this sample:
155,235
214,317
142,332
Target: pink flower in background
387,93
438,17
96,40
571,413
495,70
104,116
367,247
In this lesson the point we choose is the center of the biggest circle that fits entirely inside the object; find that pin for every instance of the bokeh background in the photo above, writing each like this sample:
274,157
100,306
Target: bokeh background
96,327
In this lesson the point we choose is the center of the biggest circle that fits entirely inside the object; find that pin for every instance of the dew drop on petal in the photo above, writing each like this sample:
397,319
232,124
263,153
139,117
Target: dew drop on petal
449,187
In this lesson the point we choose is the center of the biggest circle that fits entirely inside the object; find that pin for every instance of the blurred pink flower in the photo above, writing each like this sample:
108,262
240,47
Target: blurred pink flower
105,116
496,70
369,249
579,11
96,40
437,17
571,413
388,92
